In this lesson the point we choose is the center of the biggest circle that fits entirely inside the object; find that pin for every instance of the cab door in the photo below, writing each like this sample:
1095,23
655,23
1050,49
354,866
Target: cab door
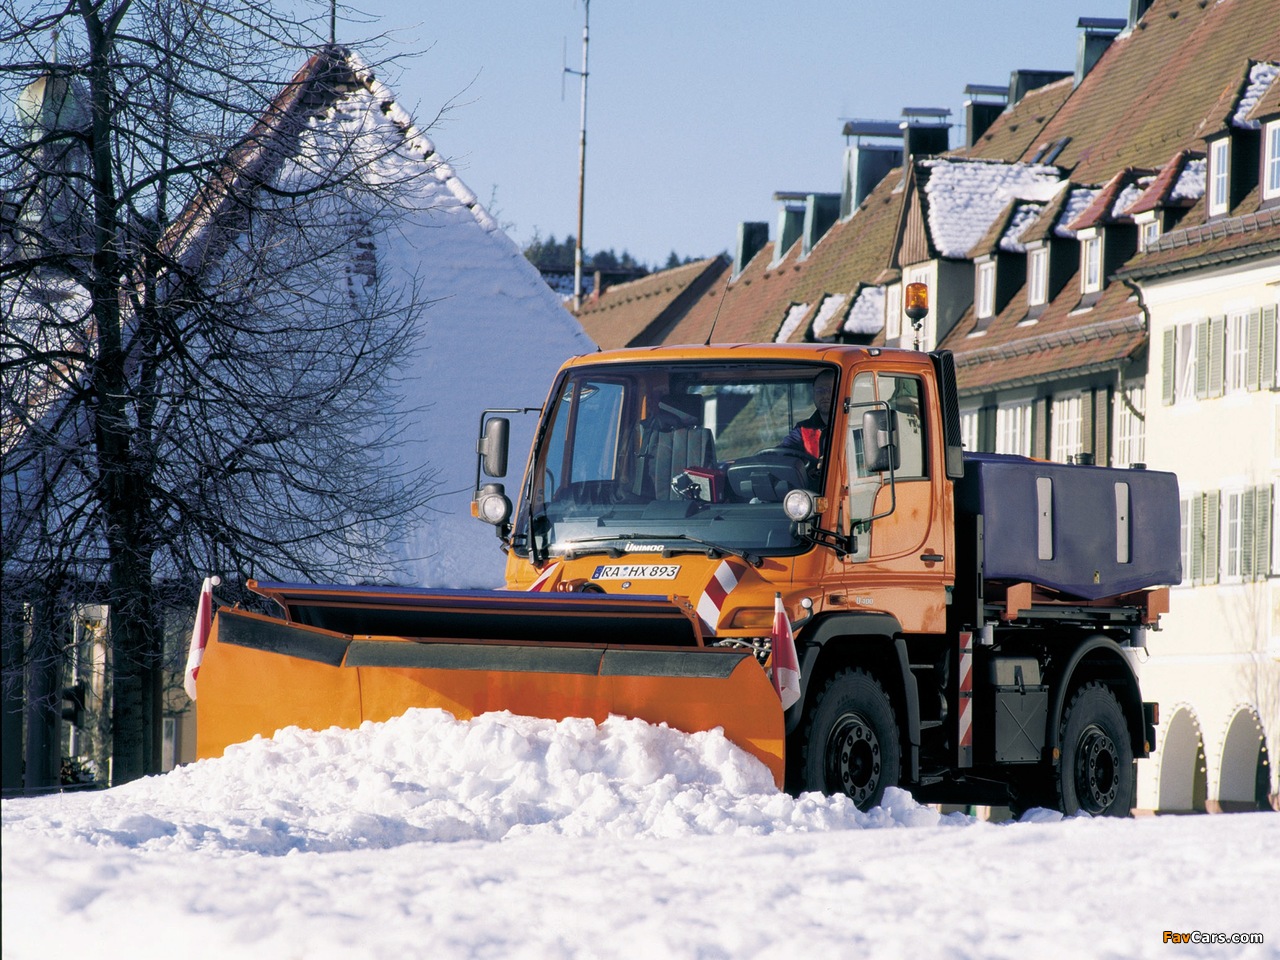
902,521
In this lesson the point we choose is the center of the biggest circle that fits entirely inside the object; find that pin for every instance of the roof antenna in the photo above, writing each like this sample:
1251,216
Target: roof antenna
55,44
582,157
333,22
723,293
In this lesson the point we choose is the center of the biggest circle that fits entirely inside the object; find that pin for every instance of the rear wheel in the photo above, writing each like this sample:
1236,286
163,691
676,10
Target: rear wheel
1096,772
850,740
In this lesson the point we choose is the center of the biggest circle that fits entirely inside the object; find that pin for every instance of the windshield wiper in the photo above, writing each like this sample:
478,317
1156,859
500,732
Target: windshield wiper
713,549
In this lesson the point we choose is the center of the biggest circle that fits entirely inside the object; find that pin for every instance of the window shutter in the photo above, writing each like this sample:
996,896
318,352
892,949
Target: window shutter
1253,358
1262,537
1202,359
1217,355
1040,428
1212,535
1197,539
1169,372
1267,337
1101,437
1248,538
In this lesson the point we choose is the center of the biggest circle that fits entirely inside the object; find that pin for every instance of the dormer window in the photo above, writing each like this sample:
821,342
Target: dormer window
1038,276
893,312
1090,261
1219,177
985,291
1148,229
1271,162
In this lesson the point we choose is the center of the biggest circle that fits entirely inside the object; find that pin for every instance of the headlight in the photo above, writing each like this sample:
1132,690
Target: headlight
799,505
491,504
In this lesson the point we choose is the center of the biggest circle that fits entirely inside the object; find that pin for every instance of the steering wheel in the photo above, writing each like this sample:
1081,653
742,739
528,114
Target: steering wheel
795,453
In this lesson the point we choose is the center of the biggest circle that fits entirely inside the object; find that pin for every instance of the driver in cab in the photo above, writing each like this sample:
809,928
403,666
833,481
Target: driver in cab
810,434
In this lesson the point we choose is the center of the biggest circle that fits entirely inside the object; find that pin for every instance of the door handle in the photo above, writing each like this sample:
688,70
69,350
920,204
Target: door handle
931,557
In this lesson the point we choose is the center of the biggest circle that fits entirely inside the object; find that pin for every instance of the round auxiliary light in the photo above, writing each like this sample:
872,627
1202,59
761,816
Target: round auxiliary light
799,505
493,507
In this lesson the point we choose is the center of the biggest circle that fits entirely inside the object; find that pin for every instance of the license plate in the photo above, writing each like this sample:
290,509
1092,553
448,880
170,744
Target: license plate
637,571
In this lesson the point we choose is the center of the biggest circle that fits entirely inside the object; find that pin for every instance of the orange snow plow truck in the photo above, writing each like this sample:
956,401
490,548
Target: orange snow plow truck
965,625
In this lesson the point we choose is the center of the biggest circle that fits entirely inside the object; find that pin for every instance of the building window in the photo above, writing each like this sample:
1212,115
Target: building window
1130,426
1148,234
1271,165
1068,426
1219,176
1201,529
1237,350
1013,428
1091,264
1038,276
970,429
893,312
1231,536
985,295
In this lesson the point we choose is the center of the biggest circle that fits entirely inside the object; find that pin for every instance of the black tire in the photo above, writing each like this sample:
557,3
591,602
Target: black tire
850,740
1096,772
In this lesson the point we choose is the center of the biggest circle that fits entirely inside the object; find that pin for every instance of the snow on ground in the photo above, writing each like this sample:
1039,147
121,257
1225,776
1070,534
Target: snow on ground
507,837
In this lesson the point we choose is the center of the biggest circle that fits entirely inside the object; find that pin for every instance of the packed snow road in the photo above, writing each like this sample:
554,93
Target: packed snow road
513,837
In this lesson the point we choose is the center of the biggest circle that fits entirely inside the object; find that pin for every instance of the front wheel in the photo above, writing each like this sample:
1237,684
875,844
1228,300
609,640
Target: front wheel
850,740
1096,773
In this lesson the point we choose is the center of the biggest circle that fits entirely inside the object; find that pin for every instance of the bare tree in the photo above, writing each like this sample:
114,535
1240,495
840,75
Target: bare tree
198,358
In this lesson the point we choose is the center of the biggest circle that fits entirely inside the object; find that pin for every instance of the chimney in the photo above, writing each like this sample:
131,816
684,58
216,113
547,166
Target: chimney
1097,34
866,164
980,114
926,131
820,212
1022,82
752,236
1136,10
790,221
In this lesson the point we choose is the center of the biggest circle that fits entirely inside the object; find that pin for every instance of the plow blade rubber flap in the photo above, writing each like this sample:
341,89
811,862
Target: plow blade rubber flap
260,674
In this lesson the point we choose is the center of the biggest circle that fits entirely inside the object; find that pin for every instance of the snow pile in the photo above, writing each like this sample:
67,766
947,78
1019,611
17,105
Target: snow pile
429,777
966,196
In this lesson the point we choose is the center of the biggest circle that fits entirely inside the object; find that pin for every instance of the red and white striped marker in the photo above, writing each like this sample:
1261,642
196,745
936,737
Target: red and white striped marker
718,589
964,740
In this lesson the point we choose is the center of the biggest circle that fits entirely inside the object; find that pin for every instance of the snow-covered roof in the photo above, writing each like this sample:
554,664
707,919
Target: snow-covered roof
1261,76
791,322
827,320
1078,200
1024,215
1190,185
867,313
966,196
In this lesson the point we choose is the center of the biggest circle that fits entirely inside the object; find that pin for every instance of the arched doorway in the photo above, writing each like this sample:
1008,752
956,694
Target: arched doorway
1245,779
1183,779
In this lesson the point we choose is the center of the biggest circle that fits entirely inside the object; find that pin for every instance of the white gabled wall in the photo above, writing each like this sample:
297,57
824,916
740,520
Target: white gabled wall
1215,664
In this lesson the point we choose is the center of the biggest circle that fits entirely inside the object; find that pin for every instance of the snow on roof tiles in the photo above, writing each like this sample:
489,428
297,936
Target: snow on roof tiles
966,196
867,313
1078,200
827,320
1261,76
1023,216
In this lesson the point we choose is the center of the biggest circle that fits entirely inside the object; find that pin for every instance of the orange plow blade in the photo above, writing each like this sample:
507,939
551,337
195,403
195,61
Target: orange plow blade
347,655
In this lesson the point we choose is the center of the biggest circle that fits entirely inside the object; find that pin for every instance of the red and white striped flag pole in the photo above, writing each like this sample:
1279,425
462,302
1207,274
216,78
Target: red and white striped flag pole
786,666
200,634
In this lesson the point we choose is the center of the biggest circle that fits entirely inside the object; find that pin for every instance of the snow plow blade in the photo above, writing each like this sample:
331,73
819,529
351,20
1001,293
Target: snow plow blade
350,654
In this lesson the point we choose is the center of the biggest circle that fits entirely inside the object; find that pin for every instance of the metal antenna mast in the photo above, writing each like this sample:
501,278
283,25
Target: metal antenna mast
582,158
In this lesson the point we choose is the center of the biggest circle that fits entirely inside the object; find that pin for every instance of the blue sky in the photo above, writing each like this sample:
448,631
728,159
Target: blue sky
697,111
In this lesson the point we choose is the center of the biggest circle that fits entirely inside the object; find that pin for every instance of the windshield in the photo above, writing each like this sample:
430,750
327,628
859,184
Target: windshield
677,456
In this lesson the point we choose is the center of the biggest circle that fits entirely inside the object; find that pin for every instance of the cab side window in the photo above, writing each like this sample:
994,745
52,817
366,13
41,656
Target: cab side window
905,396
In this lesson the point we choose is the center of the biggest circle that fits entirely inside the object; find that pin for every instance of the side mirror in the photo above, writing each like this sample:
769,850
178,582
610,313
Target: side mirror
493,446
879,440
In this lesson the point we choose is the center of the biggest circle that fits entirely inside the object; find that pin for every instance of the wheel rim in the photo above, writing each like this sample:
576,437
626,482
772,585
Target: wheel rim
853,758
1097,770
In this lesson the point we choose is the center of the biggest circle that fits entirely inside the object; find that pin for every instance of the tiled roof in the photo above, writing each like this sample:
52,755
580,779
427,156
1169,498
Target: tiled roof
1221,240
1016,133
633,313
1174,185
1113,201
964,197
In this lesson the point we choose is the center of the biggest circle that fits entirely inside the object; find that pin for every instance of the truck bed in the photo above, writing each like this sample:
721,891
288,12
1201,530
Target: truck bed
1082,531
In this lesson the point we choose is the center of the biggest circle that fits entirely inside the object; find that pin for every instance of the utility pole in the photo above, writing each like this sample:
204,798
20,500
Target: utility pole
582,158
